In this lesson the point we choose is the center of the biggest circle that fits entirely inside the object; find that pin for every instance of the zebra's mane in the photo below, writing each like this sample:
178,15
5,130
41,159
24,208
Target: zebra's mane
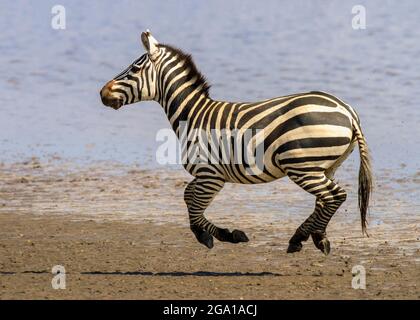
190,65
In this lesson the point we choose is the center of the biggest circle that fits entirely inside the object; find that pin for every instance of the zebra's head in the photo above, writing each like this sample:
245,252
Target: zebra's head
137,82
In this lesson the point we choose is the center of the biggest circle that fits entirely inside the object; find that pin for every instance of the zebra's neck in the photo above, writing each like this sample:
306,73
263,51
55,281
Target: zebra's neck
180,91
182,103
181,88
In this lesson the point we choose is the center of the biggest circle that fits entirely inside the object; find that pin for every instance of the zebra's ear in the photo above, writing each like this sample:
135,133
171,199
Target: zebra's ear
149,43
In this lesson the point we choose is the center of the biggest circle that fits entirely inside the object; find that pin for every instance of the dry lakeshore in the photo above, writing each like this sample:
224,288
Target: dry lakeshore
122,233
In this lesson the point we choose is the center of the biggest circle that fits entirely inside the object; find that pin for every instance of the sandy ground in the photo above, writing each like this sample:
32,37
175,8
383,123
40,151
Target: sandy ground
122,233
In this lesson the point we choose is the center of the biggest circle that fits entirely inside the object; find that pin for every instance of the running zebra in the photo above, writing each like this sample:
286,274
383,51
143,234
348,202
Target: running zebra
304,136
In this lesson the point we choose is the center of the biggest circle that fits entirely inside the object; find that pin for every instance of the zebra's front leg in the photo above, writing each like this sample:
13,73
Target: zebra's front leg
202,236
198,195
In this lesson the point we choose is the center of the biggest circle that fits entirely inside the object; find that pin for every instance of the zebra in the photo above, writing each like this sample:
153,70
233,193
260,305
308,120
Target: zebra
306,136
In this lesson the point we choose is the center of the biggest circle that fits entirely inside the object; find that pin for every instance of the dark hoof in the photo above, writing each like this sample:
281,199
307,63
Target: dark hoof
206,239
321,242
239,236
295,242
294,247
235,236
202,236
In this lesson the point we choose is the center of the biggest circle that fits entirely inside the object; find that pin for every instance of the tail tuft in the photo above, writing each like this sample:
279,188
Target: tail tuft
365,176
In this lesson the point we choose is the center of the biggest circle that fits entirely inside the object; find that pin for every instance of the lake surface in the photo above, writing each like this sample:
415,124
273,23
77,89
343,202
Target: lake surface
50,79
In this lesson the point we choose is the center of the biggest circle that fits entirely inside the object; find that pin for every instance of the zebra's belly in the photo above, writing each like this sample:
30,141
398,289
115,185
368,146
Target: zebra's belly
246,175
237,173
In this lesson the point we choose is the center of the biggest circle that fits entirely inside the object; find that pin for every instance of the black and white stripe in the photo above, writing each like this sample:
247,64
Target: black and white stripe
305,136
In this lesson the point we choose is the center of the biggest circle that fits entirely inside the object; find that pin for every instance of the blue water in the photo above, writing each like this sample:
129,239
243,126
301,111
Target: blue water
50,79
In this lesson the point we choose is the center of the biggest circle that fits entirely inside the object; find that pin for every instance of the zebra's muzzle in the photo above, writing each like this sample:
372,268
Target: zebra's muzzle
107,98
114,103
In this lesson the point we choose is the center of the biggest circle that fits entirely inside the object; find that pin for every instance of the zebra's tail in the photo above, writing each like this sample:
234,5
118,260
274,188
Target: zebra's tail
365,175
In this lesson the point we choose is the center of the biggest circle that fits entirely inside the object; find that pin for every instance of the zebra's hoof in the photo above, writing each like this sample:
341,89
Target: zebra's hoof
324,246
206,239
294,247
239,236
321,242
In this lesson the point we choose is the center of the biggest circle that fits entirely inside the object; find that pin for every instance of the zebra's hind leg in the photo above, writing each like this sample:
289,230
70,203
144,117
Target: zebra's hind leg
198,195
329,197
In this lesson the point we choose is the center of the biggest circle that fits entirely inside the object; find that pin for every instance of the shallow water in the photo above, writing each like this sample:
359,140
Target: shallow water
50,79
